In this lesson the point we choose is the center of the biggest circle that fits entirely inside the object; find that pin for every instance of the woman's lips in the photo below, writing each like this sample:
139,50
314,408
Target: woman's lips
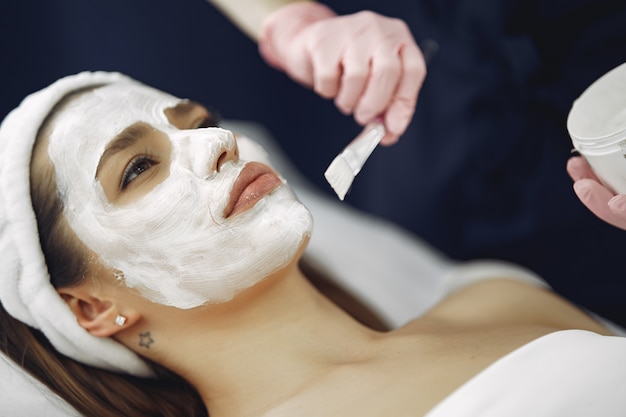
254,182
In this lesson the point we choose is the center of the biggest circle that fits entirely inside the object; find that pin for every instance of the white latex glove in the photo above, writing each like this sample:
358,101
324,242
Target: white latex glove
370,64
600,200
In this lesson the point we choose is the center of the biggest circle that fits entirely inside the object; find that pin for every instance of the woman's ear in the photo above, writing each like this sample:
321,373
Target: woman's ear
100,317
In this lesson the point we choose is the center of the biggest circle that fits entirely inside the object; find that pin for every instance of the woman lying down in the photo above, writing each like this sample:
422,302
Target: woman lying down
152,268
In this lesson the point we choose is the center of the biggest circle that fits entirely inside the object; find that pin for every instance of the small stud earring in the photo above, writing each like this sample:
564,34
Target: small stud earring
120,320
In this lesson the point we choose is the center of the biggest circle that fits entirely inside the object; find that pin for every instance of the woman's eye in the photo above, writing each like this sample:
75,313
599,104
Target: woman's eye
136,167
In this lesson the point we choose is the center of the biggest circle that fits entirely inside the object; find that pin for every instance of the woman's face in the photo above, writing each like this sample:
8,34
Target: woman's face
167,201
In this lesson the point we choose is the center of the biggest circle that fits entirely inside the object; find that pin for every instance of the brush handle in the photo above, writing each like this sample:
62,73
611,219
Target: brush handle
357,152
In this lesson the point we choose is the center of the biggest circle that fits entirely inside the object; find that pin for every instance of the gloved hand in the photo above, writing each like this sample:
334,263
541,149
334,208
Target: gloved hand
370,64
601,201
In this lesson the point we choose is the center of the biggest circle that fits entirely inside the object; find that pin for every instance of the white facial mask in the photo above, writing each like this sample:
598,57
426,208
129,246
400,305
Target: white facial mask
173,244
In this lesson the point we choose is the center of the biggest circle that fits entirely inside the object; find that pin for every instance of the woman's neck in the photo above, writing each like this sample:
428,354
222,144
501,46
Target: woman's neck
260,349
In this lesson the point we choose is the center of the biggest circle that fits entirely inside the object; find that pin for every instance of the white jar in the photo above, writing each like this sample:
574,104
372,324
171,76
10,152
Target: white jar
597,126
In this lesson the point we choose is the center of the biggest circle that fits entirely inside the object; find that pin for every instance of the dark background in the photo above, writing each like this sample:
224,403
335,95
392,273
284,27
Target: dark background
481,170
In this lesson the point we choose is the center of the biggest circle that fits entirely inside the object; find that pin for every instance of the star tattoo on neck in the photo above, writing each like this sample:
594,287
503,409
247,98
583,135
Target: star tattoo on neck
145,340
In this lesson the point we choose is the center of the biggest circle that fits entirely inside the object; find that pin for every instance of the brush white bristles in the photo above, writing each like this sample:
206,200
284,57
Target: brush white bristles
342,170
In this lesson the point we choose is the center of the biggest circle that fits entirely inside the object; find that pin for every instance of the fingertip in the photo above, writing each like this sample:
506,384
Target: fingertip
325,77
591,193
390,139
363,117
344,106
398,117
397,124
326,88
581,188
574,168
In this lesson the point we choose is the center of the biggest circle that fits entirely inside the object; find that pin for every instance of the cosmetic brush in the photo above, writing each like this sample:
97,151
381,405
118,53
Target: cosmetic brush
342,170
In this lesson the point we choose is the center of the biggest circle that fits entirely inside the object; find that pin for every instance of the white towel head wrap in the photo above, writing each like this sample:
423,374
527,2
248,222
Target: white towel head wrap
25,289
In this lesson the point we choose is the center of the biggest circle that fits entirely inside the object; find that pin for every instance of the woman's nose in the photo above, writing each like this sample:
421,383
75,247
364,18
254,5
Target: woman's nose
230,152
205,151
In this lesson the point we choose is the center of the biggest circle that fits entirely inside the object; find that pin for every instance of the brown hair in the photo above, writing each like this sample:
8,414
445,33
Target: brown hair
89,390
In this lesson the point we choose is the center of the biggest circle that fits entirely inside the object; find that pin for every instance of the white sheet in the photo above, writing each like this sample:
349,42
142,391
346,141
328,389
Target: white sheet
571,373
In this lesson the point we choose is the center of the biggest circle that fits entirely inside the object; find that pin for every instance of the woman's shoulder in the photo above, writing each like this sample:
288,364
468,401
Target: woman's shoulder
506,302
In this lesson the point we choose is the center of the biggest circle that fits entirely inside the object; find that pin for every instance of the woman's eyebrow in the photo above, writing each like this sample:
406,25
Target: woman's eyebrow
124,140
186,113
